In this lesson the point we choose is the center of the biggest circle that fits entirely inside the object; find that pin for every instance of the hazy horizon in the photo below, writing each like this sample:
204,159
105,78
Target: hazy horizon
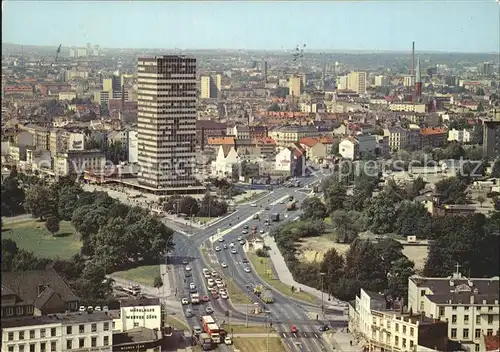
352,26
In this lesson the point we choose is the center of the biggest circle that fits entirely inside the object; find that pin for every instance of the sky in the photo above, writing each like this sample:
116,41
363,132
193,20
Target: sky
434,25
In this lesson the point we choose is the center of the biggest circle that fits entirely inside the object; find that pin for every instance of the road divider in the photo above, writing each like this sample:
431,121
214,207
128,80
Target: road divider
220,234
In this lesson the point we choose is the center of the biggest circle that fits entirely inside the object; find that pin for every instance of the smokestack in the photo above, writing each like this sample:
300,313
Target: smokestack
123,97
418,82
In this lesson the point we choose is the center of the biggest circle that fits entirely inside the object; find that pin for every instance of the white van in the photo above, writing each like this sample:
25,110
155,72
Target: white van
210,282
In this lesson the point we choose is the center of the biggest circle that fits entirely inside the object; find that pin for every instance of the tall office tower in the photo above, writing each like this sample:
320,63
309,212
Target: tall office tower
265,71
485,68
491,137
210,86
356,82
166,121
295,86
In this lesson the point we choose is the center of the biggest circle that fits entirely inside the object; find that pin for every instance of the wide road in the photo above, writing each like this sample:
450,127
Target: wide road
285,312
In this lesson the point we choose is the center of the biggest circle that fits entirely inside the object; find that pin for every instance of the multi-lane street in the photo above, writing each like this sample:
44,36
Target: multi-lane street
285,312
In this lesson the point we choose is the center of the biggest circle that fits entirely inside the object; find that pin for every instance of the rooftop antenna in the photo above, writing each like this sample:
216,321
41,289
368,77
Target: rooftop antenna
457,266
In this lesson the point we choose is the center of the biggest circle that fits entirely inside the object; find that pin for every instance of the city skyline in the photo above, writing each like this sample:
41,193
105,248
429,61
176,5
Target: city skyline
464,26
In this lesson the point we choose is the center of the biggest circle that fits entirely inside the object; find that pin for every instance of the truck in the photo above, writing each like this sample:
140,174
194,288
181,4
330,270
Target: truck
205,341
292,205
211,328
195,298
275,217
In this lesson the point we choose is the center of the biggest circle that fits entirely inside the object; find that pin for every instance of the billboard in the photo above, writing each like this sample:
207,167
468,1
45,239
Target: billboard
76,141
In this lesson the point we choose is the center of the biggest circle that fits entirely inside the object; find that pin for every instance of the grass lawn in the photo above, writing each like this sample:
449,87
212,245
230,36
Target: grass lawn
143,274
236,294
203,219
252,197
251,329
249,344
262,264
32,236
177,323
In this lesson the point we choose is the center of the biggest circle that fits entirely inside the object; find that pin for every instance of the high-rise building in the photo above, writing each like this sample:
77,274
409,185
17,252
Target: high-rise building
485,68
381,81
166,121
295,86
491,138
210,86
356,82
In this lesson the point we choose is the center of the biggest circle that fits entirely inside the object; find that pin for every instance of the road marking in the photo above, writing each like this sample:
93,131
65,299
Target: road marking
284,335
279,200
316,336
216,237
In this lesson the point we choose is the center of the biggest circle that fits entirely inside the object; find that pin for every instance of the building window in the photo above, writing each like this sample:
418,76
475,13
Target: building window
106,327
396,326
404,329
32,334
411,343
404,342
94,341
466,334
10,311
490,319
21,335
69,344
81,342
11,348
478,319
69,330
422,293
454,319
136,324
32,347
477,333
489,332
94,328
42,346
453,333
53,346
81,328
412,331
106,340
10,336
466,307
42,333
453,307
113,325
466,319
396,340
19,310
21,348
53,332
477,348
490,308
441,310
421,305
29,309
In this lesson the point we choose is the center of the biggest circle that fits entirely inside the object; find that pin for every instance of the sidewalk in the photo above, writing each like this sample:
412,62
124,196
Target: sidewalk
341,341
284,273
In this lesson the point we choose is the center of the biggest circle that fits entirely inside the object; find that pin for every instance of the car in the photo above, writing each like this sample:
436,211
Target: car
234,251
188,268
223,264
282,202
247,269
242,242
244,232
214,290
192,286
188,274
245,261
231,244
214,273
253,205
228,341
218,281
239,238
324,328
185,301
207,275
217,249
193,290
185,262
224,295
294,329
221,239
245,227
267,208
261,231
197,330
220,284
225,246
189,313
210,282
209,310
205,298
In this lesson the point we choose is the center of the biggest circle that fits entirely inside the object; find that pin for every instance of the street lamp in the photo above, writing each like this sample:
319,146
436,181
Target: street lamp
322,300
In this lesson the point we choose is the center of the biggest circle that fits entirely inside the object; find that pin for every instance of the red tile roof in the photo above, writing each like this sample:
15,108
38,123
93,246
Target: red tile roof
492,343
308,141
432,131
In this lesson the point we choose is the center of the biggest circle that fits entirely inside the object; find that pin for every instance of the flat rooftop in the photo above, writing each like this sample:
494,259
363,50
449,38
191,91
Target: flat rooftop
70,318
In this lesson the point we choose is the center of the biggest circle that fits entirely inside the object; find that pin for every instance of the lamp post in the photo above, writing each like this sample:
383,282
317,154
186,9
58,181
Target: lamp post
163,295
322,300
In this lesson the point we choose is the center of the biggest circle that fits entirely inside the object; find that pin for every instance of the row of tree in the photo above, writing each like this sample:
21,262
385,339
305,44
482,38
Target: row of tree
208,206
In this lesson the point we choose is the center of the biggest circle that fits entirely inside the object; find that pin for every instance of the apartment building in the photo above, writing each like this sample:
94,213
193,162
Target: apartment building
210,86
295,86
433,137
381,81
468,305
357,81
398,138
284,135
40,135
462,136
206,129
491,139
77,161
60,141
408,107
354,147
384,326
139,313
166,121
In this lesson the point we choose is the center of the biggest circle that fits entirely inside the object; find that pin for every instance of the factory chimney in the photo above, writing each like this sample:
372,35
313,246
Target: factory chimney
418,82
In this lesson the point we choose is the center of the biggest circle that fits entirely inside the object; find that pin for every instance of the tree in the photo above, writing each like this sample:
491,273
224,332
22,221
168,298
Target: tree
335,196
68,201
313,208
116,152
452,190
274,107
347,225
412,219
92,286
189,206
52,225
380,214
158,282
40,202
481,199
12,196
453,151
110,245
495,170
332,265
477,134
397,277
